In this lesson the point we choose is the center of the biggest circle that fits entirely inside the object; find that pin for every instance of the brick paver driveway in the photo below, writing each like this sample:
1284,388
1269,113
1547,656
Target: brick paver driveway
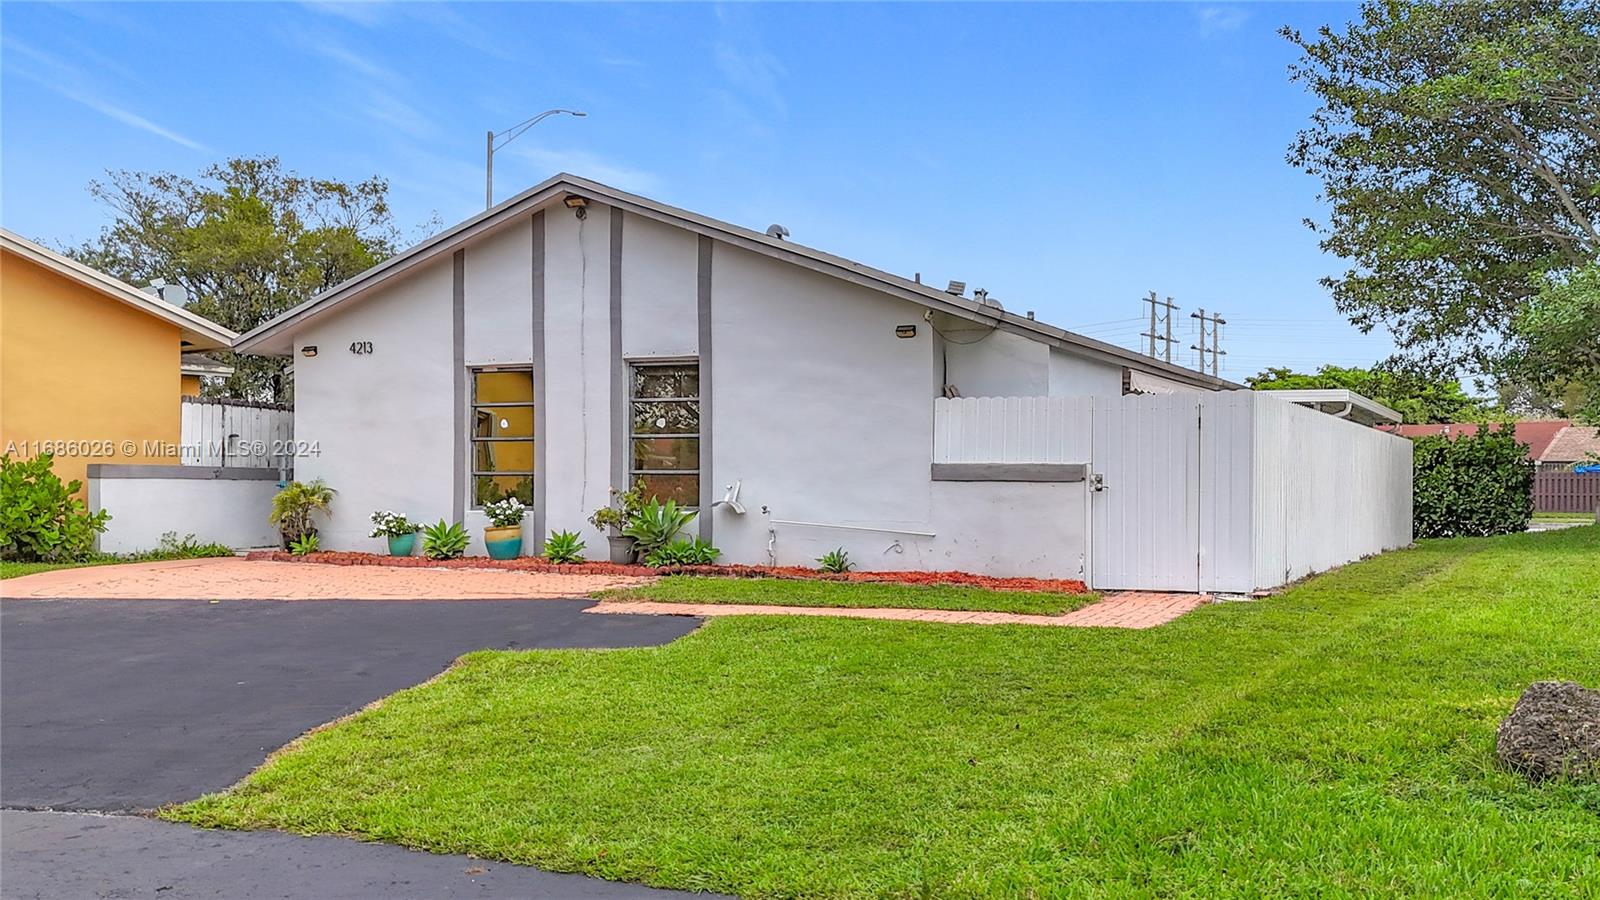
230,578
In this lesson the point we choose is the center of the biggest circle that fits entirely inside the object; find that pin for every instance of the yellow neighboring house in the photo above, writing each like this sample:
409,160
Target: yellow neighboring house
92,368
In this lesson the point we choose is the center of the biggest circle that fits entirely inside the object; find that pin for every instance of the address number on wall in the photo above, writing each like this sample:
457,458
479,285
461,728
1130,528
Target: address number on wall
361,348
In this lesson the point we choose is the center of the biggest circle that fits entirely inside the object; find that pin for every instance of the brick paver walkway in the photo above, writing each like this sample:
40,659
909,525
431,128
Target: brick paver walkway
1131,609
238,579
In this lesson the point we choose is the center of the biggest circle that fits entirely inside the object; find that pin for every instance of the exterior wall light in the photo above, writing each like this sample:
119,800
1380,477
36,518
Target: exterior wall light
578,205
308,350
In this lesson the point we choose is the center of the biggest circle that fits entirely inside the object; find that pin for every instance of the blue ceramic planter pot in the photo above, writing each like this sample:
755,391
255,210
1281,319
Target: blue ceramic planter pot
503,543
402,545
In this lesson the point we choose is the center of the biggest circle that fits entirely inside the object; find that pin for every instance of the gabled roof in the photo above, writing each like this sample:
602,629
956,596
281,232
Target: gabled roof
272,337
201,364
1574,443
1536,433
198,332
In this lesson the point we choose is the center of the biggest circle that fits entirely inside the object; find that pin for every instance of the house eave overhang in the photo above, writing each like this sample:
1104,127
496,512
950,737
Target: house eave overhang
1344,404
274,337
196,332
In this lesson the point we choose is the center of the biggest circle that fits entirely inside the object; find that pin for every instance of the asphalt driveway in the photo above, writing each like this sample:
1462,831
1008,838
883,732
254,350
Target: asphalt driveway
125,705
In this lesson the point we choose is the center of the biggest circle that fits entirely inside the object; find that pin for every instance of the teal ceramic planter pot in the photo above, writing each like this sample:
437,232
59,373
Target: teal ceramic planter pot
503,543
402,544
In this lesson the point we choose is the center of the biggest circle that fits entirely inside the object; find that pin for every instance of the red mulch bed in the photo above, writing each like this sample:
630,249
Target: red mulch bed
535,564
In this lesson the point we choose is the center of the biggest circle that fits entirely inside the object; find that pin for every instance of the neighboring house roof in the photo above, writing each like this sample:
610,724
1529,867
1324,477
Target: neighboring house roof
1342,403
1536,433
272,337
201,364
198,332
1574,443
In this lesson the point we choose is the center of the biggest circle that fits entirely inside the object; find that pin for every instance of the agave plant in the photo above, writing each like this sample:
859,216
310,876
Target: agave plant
444,540
656,524
564,547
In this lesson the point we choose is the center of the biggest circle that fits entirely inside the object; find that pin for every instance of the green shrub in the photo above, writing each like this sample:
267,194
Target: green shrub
1471,484
306,544
292,508
685,552
563,547
656,524
444,540
40,519
186,547
835,561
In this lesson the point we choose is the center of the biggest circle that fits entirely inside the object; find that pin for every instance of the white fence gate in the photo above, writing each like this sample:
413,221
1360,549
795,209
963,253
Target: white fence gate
1221,492
236,434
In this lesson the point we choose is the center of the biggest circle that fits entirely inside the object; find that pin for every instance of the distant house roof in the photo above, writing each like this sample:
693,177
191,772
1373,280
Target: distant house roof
1536,433
197,332
272,337
1574,443
201,364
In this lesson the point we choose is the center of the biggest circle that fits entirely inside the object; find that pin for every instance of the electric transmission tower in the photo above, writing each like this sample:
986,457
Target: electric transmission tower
1212,323
1162,320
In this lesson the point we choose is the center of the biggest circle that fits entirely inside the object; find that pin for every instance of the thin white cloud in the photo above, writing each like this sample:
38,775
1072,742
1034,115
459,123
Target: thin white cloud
750,69
1215,20
71,83
347,58
579,162
366,14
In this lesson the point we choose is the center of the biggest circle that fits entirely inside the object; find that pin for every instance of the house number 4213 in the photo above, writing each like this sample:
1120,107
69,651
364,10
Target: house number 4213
361,348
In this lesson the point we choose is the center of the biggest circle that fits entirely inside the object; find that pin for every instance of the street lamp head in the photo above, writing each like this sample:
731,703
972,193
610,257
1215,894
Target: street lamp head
579,113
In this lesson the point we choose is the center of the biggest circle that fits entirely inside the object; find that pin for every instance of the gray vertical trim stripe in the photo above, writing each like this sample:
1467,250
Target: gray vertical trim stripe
458,363
707,385
536,349
619,367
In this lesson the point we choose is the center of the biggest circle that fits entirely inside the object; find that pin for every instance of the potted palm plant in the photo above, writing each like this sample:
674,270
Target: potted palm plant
503,537
294,505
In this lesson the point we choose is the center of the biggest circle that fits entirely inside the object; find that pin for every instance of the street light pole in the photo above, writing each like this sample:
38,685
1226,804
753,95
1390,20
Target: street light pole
515,132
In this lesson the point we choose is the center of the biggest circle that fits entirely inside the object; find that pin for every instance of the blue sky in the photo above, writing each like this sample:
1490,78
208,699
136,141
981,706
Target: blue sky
1068,158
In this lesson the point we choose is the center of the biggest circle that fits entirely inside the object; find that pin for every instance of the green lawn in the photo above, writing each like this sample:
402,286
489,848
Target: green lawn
1334,740
18,569
1563,517
797,592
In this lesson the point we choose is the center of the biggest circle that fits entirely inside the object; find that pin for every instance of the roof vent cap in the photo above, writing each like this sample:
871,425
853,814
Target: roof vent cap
956,287
777,231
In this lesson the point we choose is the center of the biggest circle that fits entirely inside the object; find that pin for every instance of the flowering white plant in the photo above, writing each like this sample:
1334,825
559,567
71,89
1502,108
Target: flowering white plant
505,513
388,523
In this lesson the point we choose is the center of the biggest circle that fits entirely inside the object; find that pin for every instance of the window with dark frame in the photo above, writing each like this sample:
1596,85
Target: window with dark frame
664,430
502,435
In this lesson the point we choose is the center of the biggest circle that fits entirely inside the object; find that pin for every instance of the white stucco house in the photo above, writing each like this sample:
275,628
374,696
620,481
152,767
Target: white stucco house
577,337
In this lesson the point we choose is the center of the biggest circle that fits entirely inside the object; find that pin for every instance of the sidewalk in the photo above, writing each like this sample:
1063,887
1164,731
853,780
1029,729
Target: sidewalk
1130,609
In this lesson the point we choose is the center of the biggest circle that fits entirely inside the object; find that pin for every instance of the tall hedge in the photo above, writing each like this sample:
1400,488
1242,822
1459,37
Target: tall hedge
1471,484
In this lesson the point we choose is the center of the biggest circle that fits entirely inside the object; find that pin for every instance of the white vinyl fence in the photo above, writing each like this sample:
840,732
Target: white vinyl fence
1222,492
233,433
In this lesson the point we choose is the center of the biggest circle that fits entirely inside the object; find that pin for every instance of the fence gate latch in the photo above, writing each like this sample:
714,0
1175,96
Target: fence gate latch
1097,482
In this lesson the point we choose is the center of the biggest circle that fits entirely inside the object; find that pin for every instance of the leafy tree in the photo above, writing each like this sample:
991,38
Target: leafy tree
1560,342
1416,398
248,239
1458,146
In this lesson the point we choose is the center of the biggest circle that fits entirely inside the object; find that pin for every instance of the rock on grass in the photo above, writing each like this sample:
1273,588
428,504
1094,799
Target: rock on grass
1552,732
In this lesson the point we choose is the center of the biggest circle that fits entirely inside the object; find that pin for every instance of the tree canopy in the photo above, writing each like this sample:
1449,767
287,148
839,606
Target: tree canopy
248,239
1417,399
1458,145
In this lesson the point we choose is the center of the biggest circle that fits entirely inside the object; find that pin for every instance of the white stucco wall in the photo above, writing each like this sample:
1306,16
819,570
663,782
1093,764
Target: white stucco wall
225,509
1072,375
660,283
383,423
